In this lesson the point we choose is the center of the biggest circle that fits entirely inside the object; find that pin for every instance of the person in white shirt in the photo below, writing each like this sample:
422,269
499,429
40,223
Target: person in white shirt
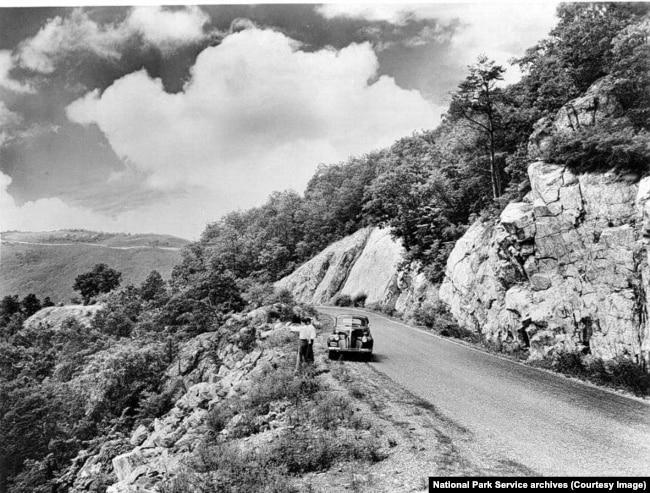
306,348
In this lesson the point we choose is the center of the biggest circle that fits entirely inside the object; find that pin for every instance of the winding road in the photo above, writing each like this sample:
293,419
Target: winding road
553,425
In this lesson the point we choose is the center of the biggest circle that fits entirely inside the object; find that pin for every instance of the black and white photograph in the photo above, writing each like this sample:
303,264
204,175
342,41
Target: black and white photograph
324,247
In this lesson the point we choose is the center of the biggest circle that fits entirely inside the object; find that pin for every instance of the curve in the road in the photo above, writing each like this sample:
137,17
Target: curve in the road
551,424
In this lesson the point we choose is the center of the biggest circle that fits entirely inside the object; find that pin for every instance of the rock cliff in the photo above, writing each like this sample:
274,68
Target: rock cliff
566,269
365,263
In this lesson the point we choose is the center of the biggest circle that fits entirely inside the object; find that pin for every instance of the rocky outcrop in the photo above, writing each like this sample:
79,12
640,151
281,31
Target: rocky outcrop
597,104
567,268
54,316
209,368
364,263
564,270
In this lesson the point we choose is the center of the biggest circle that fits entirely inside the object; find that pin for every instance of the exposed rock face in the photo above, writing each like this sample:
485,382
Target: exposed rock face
211,367
597,104
54,316
364,263
566,269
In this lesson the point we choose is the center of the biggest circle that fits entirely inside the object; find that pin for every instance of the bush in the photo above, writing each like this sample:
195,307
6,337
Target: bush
342,300
619,372
427,313
569,362
303,451
359,300
282,384
225,468
607,145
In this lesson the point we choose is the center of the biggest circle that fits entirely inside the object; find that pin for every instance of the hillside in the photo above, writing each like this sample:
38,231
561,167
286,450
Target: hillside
46,263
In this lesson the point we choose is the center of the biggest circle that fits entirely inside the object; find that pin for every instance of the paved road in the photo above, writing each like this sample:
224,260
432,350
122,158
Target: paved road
552,425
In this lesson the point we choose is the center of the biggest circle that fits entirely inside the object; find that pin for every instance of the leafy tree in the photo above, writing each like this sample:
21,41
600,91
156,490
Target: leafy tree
154,288
8,306
589,41
47,302
101,279
30,305
476,101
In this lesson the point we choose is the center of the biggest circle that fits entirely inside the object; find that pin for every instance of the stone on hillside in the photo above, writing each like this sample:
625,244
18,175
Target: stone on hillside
597,104
139,435
54,316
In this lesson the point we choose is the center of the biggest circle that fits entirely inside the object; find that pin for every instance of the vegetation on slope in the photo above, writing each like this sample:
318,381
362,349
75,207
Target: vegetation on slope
428,187
64,389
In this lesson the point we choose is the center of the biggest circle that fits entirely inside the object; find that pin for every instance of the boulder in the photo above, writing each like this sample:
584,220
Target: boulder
54,316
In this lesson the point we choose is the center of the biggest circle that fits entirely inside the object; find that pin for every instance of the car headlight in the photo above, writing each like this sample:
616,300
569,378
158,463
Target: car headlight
335,337
364,339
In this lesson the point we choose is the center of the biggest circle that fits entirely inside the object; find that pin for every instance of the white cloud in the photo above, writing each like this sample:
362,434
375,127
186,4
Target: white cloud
257,115
393,13
500,30
168,29
78,33
6,82
61,37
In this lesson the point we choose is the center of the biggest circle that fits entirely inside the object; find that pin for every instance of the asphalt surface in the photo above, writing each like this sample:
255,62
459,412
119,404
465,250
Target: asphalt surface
553,425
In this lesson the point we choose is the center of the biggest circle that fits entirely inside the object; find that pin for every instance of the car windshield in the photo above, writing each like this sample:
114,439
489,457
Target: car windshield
353,322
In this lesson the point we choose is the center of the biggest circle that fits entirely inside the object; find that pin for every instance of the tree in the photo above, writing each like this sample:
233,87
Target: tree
30,305
102,279
153,288
8,306
476,102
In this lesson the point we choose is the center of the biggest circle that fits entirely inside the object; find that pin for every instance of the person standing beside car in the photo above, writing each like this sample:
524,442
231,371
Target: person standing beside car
311,337
307,334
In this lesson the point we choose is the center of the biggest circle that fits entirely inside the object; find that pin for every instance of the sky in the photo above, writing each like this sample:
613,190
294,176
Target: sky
160,119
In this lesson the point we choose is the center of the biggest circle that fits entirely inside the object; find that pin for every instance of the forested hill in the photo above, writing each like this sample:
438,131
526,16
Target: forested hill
72,396
429,186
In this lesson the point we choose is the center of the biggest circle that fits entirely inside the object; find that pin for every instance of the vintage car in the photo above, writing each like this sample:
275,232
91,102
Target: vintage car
351,335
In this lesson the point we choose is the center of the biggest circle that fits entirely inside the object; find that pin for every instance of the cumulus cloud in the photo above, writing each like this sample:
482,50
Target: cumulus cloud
61,37
393,13
500,30
77,33
6,82
168,29
257,115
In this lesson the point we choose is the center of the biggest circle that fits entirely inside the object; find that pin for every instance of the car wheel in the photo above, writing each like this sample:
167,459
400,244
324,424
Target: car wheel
333,355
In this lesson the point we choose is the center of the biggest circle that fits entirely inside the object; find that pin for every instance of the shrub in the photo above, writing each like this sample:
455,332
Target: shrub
606,145
330,411
427,313
281,384
359,300
342,300
225,468
619,372
302,451
568,362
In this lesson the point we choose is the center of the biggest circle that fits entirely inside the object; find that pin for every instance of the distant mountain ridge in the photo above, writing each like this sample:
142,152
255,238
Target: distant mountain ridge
46,263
